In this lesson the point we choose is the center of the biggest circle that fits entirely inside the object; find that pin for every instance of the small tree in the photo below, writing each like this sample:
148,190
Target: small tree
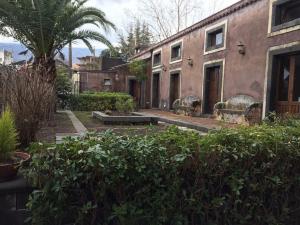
8,135
138,68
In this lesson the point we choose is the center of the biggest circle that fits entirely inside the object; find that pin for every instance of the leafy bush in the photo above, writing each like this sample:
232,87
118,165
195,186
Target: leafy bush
138,68
125,106
100,101
8,135
282,119
63,88
233,176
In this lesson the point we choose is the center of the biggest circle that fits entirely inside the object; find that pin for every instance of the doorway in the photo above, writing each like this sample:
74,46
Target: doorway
155,90
133,89
174,88
213,82
286,83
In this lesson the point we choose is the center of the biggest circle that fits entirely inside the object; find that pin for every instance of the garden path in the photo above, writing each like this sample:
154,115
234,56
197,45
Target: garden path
79,127
196,123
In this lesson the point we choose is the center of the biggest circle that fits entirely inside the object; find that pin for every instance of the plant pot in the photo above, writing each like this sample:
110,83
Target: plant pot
9,171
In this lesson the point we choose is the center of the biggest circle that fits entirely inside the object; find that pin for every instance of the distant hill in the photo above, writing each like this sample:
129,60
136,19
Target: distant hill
17,48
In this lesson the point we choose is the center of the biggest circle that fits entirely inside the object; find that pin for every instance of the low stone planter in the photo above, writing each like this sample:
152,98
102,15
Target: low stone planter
134,119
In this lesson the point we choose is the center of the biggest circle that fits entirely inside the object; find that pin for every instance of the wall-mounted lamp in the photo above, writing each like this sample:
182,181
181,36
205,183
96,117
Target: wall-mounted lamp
190,61
242,48
164,68
117,78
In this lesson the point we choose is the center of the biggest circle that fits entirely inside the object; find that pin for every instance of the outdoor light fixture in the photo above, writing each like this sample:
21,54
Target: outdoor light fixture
117,78
242,48
164,68
190,61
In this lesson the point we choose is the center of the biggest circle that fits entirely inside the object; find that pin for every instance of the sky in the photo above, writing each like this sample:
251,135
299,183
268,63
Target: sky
117,11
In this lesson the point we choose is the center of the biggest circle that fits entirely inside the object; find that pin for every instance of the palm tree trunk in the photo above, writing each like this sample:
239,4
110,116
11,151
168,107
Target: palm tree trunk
47,68
70,60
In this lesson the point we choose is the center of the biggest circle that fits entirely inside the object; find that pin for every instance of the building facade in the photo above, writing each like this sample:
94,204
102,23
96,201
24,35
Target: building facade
6,57
95,74
251,48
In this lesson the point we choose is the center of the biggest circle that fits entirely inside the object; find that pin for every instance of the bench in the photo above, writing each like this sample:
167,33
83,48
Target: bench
189,106
239,109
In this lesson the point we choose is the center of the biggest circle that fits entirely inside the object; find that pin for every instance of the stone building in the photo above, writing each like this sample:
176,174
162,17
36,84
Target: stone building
95,74
250,50
6,57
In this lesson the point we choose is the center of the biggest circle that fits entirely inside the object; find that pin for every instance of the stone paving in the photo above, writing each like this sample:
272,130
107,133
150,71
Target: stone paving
81,130
196,123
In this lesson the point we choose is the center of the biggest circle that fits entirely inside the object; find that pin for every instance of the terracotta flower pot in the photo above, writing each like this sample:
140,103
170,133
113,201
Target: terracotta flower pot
9,171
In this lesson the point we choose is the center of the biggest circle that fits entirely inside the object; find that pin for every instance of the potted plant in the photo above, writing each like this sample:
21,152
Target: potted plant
10,159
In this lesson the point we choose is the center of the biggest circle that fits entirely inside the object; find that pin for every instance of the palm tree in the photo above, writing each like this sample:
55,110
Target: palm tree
45,27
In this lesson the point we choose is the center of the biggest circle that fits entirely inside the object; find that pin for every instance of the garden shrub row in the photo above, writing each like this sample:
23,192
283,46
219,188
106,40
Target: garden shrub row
233,176
100,101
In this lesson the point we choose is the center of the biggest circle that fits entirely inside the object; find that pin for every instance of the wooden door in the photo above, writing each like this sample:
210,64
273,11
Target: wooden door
174,88
134,89
288,84
212,89
155,90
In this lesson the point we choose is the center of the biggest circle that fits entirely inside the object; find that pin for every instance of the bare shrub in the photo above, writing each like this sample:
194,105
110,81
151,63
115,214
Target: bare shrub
30,97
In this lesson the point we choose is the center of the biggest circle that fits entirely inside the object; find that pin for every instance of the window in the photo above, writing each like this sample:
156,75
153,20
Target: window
286,13
215,39
176,52
157,59
107,82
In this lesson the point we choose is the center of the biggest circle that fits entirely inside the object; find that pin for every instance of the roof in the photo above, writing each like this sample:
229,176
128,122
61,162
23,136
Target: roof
88,57
94,71
211,19
120,66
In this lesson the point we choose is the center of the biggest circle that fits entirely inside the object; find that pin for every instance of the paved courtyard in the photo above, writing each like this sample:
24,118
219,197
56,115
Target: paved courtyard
197,123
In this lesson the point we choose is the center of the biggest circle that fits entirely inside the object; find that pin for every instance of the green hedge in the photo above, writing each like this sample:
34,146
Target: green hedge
237,176
100,101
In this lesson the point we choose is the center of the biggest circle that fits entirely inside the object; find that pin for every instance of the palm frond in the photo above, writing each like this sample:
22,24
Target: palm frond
24,52
46,26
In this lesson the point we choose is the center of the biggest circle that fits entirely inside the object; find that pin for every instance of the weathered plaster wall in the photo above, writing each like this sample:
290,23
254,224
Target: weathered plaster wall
244,74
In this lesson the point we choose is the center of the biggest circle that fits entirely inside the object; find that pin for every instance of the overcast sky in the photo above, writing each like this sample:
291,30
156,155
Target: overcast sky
117,11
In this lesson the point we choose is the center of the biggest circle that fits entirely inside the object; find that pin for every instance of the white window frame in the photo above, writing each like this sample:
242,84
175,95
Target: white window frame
207,31
181,55
154,53
283,30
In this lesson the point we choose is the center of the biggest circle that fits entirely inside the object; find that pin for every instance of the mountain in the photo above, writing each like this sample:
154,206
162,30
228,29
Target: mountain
17,48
